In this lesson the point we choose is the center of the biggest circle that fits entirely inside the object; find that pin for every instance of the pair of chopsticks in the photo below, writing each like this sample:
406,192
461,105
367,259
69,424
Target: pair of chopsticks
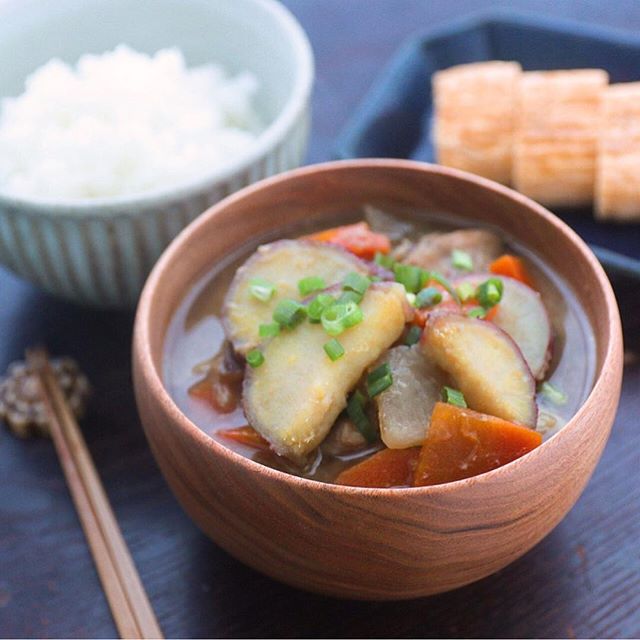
125,593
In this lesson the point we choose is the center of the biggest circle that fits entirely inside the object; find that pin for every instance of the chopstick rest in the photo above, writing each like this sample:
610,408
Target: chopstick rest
52,410
21,405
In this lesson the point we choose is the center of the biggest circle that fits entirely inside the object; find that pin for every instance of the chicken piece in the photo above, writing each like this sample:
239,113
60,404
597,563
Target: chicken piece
343,439
433,251
402,250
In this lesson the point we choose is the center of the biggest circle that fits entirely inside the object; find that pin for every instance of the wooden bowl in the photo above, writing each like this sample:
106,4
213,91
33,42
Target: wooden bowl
373,543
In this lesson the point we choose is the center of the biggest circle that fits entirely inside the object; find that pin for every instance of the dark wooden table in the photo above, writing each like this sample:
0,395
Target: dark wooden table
583,580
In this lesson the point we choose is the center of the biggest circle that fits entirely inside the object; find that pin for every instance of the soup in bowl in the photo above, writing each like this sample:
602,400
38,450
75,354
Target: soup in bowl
377,379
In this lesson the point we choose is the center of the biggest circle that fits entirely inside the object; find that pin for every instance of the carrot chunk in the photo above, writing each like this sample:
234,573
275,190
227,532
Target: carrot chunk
387,468
462,443
221,387
245,435
222,397
356,238
511,267
492,313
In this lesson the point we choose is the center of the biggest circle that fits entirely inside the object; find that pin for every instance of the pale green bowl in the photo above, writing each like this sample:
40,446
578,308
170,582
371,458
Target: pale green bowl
100,251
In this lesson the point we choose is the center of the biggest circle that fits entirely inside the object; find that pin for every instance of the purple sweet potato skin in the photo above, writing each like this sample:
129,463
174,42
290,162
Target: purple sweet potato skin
284,262
531,331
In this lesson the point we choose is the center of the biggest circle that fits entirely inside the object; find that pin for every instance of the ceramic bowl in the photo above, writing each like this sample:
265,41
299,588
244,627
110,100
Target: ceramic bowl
373,543
100,251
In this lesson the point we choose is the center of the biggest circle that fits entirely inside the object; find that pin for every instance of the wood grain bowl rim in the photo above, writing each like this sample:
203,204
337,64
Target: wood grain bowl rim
153,378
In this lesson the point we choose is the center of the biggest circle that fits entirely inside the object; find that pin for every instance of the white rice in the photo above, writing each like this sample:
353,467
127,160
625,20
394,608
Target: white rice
122,123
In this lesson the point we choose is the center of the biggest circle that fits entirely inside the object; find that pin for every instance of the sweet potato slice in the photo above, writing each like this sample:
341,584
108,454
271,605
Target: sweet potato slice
404,408
295,396
485,364
522,314
387,468
462,443
283,263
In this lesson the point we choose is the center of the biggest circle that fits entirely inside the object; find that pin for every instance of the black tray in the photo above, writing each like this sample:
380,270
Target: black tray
393,120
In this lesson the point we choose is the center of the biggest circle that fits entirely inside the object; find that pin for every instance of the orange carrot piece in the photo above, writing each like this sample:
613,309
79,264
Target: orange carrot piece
462,443
356,238
221,396
511,267
244,435
491,313
387,468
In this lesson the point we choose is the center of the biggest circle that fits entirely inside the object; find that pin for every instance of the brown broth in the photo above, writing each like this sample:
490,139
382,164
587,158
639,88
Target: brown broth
196,334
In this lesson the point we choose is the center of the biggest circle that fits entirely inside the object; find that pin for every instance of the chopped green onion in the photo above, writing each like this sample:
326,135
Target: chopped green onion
255,358
311,284
379,380
261,289
333,349
379,386
269,330
553,394
340,317
413,335
441,280
321,302
350,296
411,298
489,293
353,315
356,282
453,396
355,410
477,312
384,260
461,260
465,291
413,278
428,297
379,372
289,313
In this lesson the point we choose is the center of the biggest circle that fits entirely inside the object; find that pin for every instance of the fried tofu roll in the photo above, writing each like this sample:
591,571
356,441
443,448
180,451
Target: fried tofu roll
559,116
475,116
618,166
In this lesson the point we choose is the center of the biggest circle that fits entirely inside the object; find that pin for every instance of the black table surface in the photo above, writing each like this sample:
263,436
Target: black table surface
583,580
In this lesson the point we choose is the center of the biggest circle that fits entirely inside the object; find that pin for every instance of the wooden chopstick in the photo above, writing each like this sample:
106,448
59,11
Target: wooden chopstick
125,593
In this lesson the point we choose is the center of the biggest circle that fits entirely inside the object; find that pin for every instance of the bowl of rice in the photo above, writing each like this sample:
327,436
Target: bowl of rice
120,122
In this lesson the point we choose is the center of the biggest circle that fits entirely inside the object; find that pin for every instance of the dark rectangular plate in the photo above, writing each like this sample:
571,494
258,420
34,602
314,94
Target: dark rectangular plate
394,118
